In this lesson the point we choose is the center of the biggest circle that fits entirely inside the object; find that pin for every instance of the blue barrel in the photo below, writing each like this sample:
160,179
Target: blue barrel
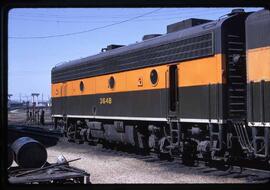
29,153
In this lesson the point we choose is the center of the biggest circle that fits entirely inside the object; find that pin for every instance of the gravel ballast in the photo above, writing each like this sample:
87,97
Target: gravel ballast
110,166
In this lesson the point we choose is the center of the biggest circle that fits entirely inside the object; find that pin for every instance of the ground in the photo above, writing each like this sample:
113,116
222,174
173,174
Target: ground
111,166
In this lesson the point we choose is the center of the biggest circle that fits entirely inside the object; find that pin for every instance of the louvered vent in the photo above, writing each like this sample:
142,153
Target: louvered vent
180,50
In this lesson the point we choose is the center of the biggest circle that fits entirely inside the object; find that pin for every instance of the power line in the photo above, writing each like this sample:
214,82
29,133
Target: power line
55,16
75,19
41,15
85,31
104,21
112,24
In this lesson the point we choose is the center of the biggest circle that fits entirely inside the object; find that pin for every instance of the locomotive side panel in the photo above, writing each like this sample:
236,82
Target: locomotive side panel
200,89
258,68
132,95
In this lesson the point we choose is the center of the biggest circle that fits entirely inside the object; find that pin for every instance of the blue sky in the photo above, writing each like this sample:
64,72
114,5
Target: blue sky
32,53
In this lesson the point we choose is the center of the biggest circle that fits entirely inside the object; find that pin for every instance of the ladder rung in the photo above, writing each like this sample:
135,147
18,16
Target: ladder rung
235,76
237,103
233,36
237,110
237,97
238,83
235,49
238,89
236,43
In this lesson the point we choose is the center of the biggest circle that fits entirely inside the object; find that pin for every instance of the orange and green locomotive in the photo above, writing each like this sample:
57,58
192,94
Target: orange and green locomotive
258,80
186,92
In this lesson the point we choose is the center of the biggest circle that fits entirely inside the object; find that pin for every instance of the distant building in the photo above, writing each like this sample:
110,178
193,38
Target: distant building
43,104
12,105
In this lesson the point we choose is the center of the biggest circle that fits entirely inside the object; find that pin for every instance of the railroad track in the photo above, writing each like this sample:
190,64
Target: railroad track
251,175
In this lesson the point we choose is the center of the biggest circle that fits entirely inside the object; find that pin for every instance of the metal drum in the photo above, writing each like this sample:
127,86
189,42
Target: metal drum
10,156
29,153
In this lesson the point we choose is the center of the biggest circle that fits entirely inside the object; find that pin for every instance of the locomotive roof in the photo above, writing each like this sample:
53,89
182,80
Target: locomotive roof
145,44
258,29
260,15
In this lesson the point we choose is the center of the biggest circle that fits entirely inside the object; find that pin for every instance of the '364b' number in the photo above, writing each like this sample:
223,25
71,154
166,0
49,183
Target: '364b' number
105,100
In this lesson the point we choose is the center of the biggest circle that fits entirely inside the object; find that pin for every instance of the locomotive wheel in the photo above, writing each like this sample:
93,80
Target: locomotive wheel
188,160
106,145
70,134
189,153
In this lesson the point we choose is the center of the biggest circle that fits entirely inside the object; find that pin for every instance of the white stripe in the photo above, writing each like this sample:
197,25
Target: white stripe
57,115
81,116
259,124
133,118
120,118
189,120
143,118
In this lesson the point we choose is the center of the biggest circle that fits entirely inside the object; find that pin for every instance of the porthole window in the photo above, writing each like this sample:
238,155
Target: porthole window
81,86
111,82
154,77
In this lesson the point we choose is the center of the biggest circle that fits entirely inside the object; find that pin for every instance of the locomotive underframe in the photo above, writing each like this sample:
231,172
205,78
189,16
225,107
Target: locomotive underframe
193,141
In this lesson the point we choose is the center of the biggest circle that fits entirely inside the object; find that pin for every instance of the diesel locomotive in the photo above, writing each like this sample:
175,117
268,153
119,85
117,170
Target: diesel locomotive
200,91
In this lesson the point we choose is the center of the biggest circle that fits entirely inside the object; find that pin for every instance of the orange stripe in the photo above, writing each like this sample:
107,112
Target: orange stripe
191,73
124,81
201,71
258,64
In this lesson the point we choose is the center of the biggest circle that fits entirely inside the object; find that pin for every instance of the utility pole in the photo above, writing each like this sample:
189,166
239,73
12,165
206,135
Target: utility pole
33,95
34,105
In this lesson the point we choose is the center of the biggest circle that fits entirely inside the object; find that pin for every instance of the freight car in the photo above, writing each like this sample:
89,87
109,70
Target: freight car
181,93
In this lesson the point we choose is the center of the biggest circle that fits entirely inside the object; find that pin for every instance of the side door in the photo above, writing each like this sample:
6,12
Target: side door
173,96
